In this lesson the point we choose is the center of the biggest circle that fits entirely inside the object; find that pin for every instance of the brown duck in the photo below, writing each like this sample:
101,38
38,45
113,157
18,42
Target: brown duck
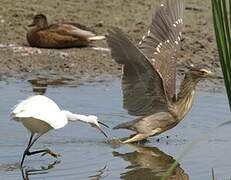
62,35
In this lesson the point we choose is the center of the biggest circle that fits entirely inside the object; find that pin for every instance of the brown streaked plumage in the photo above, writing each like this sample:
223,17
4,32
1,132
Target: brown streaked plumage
149,74
62,35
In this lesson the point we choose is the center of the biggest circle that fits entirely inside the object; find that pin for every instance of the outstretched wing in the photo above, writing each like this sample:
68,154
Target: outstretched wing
143,91
163,40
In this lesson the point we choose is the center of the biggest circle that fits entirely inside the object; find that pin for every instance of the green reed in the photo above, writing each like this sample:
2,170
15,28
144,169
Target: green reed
222,25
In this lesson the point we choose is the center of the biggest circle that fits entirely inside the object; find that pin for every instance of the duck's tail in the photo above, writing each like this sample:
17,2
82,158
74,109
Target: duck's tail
96,38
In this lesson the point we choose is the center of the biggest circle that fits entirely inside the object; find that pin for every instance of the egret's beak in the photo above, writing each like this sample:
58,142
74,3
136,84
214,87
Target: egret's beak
99,129
103,124
96,126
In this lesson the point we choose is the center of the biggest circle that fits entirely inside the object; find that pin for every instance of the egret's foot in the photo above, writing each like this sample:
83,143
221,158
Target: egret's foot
48,151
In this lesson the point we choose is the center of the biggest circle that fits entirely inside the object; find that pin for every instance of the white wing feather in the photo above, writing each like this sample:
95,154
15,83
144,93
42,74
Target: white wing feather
42,108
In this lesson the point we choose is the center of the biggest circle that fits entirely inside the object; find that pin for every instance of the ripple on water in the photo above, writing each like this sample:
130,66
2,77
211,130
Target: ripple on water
86,154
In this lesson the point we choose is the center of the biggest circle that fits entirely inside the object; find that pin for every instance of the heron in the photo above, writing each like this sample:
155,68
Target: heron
40,114
149,74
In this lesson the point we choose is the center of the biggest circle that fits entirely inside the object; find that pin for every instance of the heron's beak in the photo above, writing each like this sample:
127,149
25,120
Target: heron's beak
214,76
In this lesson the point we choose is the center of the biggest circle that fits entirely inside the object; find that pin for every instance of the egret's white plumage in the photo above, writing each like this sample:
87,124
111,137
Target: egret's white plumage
40,108
39,114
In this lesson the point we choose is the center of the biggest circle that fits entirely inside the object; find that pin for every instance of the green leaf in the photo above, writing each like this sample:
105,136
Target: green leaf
222,28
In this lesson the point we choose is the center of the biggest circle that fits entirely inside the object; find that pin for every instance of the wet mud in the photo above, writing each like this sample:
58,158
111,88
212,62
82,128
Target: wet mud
133,17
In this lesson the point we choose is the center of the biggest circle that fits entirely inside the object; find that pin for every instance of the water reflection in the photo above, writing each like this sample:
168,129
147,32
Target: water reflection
99,174
9,167
149,163
26,171
40,84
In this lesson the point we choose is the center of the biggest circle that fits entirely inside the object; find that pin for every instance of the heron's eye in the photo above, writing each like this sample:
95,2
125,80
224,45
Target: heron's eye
203,71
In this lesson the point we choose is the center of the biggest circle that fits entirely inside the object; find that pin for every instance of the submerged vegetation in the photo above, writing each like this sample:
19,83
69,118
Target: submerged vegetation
222,22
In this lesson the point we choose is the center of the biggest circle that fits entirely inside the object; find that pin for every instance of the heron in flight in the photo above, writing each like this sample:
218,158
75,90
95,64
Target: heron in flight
39,114
149,74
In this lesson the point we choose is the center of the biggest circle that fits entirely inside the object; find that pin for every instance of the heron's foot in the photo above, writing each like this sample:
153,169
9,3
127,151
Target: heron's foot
120,141
135,138
48,151
114,141
142,142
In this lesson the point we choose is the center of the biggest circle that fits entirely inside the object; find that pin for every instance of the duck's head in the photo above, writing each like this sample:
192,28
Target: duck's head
39,20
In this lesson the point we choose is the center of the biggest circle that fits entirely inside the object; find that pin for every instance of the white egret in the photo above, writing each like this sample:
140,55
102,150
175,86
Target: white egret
39,114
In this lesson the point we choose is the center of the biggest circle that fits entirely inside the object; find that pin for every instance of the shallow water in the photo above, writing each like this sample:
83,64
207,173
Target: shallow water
86,153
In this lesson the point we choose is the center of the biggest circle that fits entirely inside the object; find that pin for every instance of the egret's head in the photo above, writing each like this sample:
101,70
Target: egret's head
39,20
94,122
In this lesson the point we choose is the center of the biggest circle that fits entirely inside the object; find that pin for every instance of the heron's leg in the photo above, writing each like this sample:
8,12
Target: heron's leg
126,138
137,137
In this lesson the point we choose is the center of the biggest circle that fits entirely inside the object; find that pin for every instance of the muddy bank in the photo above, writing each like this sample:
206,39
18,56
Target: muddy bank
133,17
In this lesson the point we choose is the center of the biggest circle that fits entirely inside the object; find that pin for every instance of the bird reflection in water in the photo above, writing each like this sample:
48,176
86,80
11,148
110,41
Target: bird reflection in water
99,174
26,171
149,163
40,84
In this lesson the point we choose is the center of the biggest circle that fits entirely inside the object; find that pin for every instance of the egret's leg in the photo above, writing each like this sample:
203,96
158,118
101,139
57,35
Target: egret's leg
44,151
28,146
31,142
